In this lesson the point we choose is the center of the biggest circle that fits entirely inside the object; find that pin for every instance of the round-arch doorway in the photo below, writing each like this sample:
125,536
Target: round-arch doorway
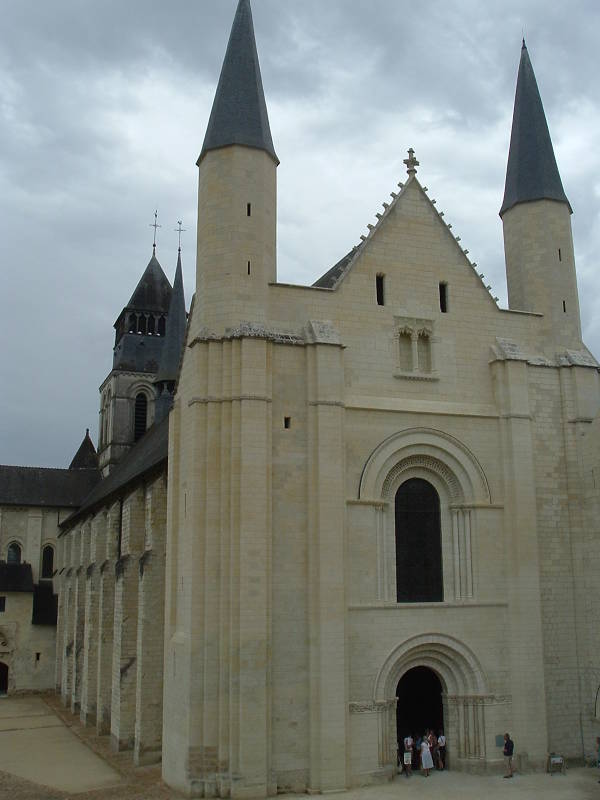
419,705
3,678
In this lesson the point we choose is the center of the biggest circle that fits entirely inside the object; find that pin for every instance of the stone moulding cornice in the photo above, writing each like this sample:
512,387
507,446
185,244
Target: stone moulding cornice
508,350
334,403
315,332
371,706
417,376
199,401
478,699
127,373
248,330
352,501
390,605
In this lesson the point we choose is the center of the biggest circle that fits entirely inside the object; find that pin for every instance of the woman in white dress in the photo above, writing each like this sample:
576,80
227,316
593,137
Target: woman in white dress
426,759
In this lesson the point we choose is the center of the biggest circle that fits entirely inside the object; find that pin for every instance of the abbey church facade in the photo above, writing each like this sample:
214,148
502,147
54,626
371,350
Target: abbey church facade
343,512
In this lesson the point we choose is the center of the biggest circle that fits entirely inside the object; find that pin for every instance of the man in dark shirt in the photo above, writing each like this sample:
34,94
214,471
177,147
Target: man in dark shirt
509,747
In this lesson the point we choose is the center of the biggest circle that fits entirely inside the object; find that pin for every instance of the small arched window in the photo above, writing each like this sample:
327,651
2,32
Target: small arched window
140,420
162,326
47,562
424,352
132,323
141,324
151,325
13,555
405,351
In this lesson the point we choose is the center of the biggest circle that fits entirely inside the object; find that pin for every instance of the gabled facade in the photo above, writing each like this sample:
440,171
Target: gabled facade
375,483
363,508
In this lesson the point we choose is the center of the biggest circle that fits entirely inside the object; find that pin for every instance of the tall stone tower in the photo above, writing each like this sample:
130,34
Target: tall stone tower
217,660
127,395
536,216
237,195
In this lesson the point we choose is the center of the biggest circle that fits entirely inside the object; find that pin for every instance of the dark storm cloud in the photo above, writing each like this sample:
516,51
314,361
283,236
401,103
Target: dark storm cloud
103,108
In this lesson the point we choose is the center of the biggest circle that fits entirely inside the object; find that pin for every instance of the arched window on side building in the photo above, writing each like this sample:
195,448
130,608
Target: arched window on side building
47,562
13,555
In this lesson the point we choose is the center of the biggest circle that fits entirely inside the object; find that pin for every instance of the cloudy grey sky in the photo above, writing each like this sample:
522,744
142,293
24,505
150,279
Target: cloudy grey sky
103,108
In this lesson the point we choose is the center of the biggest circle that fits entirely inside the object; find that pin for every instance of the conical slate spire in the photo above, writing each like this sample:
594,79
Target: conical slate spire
239,113
86,457
153,291
176,323
532,173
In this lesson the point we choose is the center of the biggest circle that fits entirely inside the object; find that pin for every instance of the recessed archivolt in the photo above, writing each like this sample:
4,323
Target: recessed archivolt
455,664
427,463
424,449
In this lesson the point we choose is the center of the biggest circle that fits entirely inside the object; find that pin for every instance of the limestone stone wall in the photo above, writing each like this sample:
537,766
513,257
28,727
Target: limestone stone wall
588,563
30,650
299,413
27,650
33,528
111,605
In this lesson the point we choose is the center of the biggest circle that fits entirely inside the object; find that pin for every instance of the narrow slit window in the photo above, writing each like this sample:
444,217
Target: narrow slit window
2,604
444,298
380,289
38,656
559,254
287,423
564,306
248,268
249,209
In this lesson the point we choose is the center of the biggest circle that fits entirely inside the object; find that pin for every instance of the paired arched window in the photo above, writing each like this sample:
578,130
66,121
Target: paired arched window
418,543
47,562
140,418
13,555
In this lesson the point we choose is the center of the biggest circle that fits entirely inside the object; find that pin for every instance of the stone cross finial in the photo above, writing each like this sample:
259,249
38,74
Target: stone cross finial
155,225
411,163
180,230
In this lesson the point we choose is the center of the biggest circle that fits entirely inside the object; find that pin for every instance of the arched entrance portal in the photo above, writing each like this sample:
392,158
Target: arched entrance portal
419,705
3,679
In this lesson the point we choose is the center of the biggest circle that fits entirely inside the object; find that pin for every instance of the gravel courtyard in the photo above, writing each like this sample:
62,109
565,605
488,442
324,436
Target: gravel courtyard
41,743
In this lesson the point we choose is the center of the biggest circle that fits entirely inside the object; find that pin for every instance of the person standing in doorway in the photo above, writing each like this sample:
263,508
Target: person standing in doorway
509,748
408,754
426,759
442,750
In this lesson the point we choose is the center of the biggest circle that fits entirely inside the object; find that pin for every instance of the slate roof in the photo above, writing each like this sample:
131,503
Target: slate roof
239,113
15,577
532,173
53,488
175,334
330,278
86,457
151,451
153,292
